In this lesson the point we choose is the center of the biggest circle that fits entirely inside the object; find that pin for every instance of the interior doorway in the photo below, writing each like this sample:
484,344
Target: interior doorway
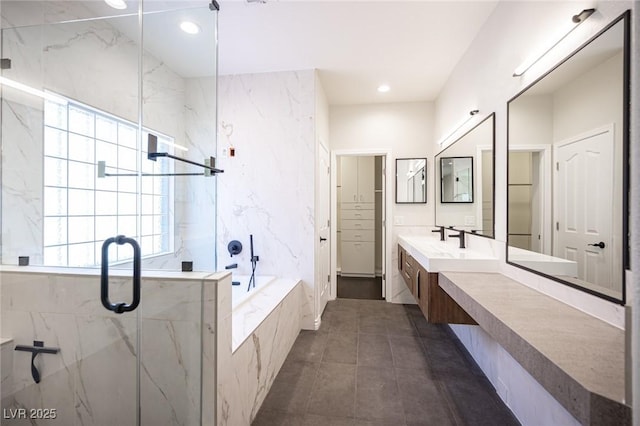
360,210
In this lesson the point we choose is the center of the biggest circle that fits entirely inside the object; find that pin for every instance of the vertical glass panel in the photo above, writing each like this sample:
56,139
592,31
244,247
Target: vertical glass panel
106,129
81,175
80,202
81,254
55,201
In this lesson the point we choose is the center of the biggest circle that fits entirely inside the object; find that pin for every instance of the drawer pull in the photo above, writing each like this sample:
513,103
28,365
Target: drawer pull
418,284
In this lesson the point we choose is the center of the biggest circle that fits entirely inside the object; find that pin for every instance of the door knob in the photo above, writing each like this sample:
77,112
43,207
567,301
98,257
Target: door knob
322,239
600,244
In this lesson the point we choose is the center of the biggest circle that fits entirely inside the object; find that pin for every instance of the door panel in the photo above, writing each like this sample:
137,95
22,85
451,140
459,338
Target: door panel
584,173
324,211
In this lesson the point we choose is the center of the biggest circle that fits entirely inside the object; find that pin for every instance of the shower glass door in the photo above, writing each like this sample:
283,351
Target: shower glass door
83,85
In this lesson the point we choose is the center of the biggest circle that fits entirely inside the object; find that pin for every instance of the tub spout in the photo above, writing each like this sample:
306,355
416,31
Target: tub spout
232,266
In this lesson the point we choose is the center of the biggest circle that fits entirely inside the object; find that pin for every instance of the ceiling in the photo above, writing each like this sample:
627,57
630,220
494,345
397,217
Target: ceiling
412,46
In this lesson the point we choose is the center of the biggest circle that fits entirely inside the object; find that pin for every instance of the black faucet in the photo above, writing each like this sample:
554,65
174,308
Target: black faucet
460,235
232,266
441,231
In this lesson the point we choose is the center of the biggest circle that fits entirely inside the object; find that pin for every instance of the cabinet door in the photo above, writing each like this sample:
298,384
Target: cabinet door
422,289
349,179
366,179
358,258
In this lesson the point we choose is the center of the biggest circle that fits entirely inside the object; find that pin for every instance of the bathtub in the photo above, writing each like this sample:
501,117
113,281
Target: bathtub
239,293
250,308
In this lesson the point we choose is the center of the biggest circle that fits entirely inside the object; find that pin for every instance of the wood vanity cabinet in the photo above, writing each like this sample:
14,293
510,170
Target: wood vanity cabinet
436,305
405,266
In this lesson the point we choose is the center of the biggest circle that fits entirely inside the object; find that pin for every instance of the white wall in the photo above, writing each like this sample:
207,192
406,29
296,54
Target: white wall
268,188
483,79
406,130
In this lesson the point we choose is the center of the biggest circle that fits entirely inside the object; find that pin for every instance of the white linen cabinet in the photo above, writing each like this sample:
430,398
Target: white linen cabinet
357,216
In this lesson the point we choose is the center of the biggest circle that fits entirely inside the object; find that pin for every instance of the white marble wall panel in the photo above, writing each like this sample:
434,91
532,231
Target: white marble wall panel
255,364
95,369
268,187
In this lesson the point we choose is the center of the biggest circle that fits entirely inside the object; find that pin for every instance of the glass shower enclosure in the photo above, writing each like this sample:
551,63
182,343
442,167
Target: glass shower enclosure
108,133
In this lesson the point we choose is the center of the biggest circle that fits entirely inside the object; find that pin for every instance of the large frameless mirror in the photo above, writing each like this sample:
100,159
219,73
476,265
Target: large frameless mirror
465,176
568,168
411,177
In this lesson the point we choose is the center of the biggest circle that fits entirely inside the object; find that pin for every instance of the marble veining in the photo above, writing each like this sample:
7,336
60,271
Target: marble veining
99,350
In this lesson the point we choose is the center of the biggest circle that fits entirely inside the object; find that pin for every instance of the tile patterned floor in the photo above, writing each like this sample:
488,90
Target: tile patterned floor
376,363
359,288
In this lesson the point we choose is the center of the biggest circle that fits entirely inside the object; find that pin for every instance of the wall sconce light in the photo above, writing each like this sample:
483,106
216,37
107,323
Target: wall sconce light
462,123
576,20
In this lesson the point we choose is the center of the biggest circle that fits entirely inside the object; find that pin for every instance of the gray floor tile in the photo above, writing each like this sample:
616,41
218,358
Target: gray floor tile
421,399
309,346
377,394
374,350
343,321
317,420
400,325
445,359
382,422
372,324
291,388
334,391
477,403
408,352
279,418
341,347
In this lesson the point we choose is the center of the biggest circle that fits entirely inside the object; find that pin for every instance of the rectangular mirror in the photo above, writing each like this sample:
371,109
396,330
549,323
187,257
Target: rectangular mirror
456,178
466,175
411,175
568,168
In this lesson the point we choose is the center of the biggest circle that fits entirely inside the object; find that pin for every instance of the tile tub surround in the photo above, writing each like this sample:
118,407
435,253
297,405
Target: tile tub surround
62,307
247,372
251,312
577,358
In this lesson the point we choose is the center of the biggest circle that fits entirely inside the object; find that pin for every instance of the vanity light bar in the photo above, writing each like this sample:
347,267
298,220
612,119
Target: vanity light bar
576,20
462,123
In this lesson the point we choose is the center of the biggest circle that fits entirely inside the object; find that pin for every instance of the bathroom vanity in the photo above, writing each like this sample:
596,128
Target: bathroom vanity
419,261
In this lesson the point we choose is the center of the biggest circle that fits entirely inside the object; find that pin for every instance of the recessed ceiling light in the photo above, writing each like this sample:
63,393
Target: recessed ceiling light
189,27
116,4
383,88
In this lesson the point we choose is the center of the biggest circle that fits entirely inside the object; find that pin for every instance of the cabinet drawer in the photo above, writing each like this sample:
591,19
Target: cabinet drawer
357,224
357,235
358,206
358,214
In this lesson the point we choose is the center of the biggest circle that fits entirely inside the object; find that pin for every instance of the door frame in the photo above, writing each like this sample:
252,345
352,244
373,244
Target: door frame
545,213
386,206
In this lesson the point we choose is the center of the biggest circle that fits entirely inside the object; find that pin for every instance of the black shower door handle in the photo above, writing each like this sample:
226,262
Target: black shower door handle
119,307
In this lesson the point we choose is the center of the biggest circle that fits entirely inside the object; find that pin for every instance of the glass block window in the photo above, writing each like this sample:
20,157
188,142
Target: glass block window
81,210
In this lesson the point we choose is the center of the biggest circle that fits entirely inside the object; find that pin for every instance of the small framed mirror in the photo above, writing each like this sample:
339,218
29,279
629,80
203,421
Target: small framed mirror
456,179
411,176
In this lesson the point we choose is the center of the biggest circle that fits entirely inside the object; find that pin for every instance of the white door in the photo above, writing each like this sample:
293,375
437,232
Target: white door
583,203
324,211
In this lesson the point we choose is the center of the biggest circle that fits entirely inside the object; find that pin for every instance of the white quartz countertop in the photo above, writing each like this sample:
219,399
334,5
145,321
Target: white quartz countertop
577,358
550,265
435,255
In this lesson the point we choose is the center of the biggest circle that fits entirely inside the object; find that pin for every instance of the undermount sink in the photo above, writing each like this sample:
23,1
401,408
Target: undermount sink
436,256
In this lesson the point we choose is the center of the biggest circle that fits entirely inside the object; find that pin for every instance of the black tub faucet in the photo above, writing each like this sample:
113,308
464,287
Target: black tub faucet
232,266
441,231
460,235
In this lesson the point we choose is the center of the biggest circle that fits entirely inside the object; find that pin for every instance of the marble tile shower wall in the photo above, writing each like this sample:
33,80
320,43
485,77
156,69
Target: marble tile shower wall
94,63
268,187
98,348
